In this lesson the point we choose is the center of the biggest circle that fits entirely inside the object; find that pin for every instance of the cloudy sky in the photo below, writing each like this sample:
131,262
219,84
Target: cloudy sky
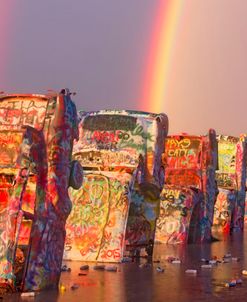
104,50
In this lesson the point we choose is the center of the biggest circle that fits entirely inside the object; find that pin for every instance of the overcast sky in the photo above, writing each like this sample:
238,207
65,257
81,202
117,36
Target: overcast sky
99,48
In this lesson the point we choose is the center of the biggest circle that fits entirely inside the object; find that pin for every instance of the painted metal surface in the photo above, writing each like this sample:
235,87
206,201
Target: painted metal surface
189,192
36,140
115,210
230,204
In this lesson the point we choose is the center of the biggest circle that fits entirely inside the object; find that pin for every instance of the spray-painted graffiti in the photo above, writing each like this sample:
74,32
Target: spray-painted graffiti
187,200
37,175
224,209
115,211
231,181
183,153
97,220
16,112
186,177
175,215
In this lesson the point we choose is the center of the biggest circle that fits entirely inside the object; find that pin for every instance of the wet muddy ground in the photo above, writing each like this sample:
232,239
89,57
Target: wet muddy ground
141,281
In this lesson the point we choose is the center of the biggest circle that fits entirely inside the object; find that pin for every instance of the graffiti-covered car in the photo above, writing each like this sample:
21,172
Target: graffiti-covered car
231,175
189,192
114,212
36,140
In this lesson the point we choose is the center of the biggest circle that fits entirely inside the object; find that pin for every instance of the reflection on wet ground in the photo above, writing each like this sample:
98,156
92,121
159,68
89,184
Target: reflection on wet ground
135,282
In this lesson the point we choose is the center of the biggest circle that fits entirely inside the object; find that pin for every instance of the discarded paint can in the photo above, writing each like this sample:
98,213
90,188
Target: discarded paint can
111,268
226,260
170,258
99,267
84,267
239,281
230,284
28,294
74,286
206,266
191,271
160,269
65,268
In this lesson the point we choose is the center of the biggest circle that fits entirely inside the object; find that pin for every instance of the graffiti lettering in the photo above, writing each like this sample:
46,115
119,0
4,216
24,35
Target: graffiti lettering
183,177
16,113
174,143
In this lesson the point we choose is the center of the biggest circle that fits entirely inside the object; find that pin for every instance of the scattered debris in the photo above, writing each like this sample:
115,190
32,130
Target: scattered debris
226,260
173,260
65,268
230,284
170,258
191,271
234,282
206,266
239,281
99,267
75,286
82,274
111,268
84,267
28,294
160,269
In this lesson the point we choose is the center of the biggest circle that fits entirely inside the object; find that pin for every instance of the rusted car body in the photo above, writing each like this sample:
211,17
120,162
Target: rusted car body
115,211
189,192
36,140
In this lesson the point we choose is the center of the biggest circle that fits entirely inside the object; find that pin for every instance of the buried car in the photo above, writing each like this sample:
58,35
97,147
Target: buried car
36,139
231,175
115,211
189,192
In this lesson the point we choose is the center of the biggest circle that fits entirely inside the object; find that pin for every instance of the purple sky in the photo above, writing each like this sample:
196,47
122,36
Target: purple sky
99,49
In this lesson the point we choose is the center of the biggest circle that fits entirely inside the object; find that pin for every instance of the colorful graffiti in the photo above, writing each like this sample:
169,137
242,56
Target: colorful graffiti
115,210
98,217
37,134
188,196
230,204
175,217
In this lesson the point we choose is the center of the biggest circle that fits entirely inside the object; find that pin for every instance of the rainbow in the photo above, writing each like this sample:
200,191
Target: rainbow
162,44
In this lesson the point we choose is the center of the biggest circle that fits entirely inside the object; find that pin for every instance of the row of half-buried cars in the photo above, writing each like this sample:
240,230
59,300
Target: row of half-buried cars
133,192
141,186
